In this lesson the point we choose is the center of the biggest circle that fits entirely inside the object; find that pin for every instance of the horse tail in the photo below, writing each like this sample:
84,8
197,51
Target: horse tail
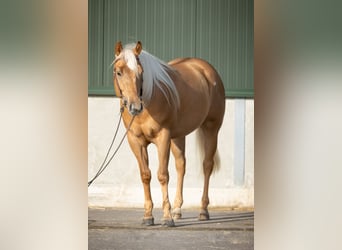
201,144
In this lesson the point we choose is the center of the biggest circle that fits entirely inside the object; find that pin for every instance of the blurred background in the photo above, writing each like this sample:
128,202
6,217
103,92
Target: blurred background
43,107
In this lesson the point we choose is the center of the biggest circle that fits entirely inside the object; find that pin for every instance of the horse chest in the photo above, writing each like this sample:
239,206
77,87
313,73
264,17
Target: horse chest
150,132
146,131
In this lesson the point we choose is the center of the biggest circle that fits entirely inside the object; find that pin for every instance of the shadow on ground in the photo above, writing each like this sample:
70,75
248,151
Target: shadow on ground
121,229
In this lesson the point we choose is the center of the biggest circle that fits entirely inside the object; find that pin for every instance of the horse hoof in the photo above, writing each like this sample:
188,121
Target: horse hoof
168,223
148,221
176,214
203,216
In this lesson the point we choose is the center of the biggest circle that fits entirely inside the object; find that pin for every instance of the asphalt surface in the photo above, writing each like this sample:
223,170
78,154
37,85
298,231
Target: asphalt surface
121,229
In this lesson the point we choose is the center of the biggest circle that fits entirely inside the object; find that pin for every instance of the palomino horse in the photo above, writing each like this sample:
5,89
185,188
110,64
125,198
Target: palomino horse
168,101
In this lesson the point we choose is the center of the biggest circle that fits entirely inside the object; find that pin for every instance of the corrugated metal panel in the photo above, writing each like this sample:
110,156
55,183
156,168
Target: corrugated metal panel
225,39
163,30
219,31
95,46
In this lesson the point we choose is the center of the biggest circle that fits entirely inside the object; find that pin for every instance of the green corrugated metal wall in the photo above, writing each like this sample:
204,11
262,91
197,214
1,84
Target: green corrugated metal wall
219,31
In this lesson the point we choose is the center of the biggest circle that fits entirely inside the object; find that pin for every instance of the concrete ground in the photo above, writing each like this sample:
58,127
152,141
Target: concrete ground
120,228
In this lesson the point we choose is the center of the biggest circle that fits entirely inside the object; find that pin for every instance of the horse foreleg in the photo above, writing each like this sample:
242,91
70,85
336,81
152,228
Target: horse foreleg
178,151
140,152
163,142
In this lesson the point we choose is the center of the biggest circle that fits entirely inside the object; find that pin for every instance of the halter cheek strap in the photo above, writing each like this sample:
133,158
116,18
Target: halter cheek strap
117,82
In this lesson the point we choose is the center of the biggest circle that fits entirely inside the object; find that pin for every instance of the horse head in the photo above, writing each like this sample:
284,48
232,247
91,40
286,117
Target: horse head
127,74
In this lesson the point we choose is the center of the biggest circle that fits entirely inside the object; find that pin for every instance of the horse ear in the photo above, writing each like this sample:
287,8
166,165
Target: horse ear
118,48
137,48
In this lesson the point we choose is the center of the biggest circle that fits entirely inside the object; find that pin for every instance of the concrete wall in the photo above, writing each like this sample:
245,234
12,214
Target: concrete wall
120,185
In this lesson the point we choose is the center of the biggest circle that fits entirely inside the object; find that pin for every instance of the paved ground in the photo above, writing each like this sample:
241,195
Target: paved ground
122,229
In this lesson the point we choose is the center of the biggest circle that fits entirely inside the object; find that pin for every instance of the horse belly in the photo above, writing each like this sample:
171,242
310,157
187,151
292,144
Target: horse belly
190,117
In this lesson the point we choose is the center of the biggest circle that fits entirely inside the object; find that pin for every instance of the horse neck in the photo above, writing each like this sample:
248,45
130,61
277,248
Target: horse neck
158,100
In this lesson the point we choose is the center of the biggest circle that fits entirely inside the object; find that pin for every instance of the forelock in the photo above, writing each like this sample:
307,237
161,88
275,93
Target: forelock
129,57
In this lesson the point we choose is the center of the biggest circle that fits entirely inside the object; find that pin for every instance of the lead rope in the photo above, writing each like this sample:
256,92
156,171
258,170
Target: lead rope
103,165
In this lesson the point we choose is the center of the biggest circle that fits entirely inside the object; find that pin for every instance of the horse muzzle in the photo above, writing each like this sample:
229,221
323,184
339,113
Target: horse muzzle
135,108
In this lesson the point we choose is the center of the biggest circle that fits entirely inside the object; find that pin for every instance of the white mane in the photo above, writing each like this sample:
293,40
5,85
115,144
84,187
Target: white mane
155,73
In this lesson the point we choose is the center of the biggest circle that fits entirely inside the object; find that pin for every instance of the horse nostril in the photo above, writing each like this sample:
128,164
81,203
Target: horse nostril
133,110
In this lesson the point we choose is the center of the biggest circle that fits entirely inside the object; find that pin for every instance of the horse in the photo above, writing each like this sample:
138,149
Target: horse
162,103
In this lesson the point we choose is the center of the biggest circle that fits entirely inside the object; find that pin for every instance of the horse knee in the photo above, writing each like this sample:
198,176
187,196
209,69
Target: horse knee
146,177
163,178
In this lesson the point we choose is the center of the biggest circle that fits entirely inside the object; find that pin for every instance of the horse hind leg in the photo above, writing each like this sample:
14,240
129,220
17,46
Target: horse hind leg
178,151
209,135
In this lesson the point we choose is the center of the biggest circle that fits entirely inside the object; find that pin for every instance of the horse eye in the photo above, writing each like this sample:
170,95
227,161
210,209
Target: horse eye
118,73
